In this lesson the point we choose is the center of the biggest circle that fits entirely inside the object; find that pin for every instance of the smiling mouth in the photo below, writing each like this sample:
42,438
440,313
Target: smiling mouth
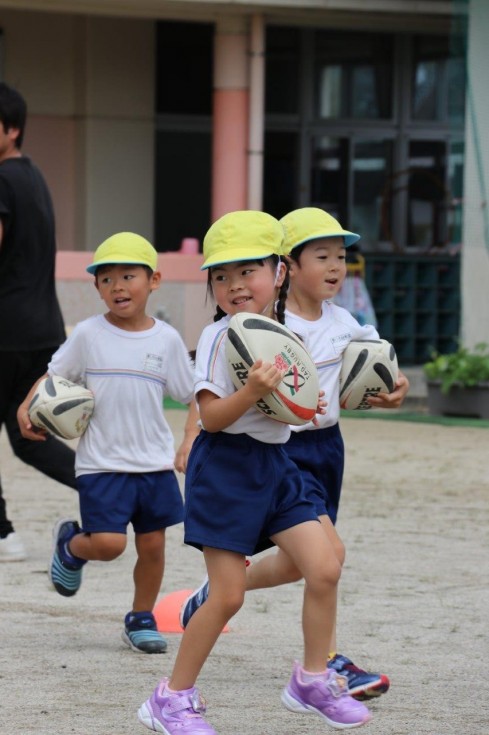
241,300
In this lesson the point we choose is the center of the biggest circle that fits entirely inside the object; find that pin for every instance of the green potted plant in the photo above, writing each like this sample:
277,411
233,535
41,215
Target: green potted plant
458,383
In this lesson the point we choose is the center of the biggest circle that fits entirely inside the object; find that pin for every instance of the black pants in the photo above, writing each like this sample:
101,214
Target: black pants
18,372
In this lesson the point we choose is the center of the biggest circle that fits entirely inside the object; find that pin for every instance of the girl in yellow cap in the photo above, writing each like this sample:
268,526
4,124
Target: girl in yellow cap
315,245
244,494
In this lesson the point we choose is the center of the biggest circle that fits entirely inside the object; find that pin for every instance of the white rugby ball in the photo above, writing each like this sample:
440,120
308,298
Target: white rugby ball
252,337
369,367
61,407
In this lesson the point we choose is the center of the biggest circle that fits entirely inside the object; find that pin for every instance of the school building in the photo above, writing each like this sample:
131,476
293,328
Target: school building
158,116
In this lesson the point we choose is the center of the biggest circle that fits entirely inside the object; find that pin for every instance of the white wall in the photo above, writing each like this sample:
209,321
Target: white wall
475,253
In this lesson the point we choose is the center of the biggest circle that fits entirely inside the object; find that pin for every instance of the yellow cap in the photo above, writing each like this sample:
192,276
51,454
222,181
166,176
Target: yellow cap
242,235
312,223
124,248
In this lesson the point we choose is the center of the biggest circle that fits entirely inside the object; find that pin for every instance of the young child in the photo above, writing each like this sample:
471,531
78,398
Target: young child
125,459
243,493
314,245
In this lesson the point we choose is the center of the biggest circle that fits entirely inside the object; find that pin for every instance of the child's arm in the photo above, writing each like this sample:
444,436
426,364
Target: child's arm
219,413
394,399
190,433
27,430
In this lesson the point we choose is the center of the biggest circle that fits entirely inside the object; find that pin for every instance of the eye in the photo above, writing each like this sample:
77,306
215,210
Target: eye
129,276
247,271
218,277
105,280
342,257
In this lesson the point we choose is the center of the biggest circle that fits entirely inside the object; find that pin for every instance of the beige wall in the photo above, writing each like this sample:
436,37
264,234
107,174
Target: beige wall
89,87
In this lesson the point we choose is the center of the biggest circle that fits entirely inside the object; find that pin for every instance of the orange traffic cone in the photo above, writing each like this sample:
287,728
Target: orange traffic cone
167,612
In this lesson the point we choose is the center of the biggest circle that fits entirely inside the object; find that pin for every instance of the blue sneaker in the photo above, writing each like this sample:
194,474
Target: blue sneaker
362,685
194,601
140,633
65,570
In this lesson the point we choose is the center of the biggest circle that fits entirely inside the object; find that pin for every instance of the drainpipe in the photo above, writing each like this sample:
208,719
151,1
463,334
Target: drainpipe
256,112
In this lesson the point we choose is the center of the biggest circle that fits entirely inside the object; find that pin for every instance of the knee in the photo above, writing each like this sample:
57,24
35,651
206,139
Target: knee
325,577
107,547
230,601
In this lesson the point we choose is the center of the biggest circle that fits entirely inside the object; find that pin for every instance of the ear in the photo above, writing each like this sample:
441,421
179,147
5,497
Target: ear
291,263
281,275
155,281
95,283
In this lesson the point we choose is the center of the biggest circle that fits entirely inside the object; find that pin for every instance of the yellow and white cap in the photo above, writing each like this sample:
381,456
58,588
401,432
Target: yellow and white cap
242,235
312,223
125,248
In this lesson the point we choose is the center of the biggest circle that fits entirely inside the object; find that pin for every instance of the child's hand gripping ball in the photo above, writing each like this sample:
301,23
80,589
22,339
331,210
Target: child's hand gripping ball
252,337
61,407
368,368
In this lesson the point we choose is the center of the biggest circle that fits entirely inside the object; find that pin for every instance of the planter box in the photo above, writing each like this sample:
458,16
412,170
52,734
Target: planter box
468,402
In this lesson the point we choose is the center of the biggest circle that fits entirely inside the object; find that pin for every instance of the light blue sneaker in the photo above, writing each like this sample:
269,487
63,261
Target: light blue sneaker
141,634
65,570
194,601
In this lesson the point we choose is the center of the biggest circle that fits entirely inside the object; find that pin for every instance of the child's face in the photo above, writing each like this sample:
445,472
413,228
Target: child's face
125,290
246,286
321,269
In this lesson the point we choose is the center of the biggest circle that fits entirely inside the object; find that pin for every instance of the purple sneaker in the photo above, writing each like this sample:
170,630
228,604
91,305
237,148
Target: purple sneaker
175,713
328,697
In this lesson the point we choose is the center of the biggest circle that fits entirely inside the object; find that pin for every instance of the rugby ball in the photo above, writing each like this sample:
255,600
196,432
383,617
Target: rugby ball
61,407
251,337
368,368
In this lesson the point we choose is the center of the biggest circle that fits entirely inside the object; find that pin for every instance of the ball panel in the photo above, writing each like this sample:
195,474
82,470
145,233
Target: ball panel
369,367
253,337
61,407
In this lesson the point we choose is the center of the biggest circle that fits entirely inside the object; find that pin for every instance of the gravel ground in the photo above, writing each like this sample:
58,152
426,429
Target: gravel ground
413,602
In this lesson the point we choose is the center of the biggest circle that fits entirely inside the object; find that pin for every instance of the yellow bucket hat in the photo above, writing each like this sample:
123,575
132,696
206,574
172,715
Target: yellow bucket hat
124,248
312,223
242,235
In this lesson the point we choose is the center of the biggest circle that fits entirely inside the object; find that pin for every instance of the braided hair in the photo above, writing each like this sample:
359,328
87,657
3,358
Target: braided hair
282,294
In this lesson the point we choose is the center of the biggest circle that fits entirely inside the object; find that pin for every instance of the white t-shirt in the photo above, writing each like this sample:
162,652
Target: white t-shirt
326,339
129,373
212,374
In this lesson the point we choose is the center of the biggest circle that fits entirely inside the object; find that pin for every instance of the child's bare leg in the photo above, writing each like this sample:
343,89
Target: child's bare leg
278,568
148,570
98,546
227,582
313,553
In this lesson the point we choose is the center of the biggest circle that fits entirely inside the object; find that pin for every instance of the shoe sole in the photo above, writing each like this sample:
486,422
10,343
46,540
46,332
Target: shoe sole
146,719
184,603
362,694
293,705
131,645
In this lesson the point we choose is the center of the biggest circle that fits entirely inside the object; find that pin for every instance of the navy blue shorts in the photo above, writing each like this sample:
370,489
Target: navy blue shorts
320,456
239,492
109,501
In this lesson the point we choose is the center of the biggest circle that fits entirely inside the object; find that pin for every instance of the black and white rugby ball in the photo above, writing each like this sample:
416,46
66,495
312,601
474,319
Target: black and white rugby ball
368,368
252,337
61,407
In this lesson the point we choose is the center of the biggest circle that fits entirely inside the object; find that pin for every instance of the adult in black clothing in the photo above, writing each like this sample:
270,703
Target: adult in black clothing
31,325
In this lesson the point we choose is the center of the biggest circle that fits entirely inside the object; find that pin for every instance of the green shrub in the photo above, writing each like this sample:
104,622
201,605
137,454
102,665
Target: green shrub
462,368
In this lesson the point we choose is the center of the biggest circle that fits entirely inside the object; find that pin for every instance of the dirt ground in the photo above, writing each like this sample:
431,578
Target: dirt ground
414,603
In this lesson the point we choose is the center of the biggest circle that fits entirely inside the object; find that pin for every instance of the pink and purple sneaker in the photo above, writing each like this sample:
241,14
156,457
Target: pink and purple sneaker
175,713
327,696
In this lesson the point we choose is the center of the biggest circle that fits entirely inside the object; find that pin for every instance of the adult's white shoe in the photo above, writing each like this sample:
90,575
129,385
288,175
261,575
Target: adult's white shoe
12,548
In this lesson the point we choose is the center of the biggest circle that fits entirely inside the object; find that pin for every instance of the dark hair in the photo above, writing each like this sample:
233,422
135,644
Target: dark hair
274,260
149,271
13,111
